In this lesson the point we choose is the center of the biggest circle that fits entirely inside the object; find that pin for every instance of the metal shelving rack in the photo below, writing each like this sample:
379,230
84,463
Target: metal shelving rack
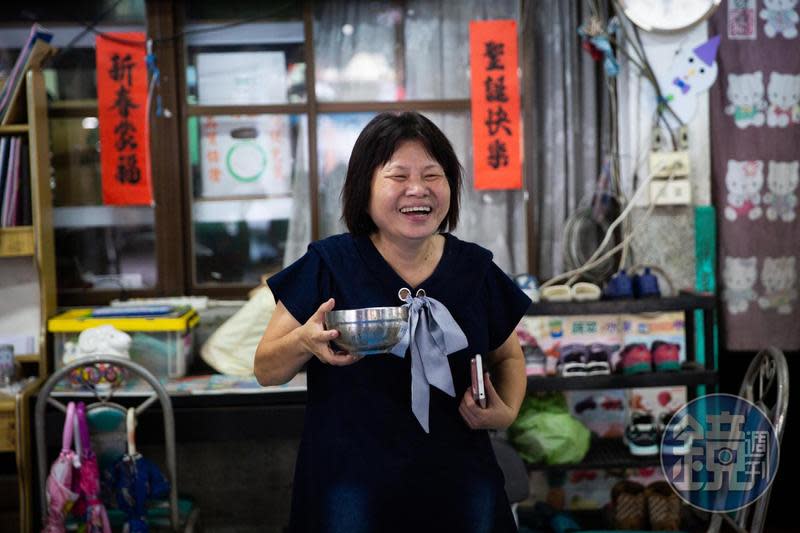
612,453
605,454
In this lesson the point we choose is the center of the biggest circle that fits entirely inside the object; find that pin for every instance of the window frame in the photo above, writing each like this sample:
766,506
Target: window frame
171,172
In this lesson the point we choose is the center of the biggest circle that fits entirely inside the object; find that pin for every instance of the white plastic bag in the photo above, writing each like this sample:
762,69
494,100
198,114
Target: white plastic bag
231,348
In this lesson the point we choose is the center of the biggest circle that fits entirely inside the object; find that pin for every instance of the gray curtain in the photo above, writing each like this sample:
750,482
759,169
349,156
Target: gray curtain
569,115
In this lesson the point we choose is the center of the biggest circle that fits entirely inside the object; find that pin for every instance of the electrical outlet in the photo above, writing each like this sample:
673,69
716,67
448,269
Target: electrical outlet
676,163
675,192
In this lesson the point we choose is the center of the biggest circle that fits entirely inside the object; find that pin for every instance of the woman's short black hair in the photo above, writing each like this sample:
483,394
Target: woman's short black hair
374,148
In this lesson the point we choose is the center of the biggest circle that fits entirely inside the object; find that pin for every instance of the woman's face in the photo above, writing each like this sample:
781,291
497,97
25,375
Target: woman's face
410,194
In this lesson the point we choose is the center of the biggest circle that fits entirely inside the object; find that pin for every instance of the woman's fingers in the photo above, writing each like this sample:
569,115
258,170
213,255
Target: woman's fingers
467,415
324,336
470,411
343,359
494,416
319,314
491,392
328,356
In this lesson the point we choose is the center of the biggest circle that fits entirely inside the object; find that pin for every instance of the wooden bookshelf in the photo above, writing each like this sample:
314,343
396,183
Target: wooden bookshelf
8,424
36,242
17,241
14,129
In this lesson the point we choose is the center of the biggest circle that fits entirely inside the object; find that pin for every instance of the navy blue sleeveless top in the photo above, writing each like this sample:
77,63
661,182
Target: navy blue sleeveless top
365,463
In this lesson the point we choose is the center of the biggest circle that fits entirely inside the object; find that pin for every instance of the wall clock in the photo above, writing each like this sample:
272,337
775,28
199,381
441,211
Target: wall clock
667,15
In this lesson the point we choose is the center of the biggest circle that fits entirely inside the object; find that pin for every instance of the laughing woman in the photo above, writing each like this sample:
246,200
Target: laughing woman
395,441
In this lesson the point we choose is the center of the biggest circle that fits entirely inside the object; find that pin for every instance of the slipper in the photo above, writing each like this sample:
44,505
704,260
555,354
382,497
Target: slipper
619,286
645,285
556,293
584,291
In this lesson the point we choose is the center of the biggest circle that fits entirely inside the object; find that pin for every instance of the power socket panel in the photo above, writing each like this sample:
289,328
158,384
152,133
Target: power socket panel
675,192
670,163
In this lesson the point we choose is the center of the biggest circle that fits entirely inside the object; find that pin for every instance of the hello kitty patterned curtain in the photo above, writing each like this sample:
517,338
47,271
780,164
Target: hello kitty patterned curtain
755,146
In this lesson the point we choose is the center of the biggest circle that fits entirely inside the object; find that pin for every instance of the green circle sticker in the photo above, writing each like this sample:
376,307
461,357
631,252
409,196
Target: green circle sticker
246,161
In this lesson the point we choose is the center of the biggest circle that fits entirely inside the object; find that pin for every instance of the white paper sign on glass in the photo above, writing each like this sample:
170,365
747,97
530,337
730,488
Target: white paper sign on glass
241,78
245,155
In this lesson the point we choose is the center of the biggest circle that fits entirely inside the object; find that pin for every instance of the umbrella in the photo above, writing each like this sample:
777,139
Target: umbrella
60,496
136,479
88,507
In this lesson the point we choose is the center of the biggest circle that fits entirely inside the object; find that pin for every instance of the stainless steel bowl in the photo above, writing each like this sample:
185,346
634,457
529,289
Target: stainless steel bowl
368,331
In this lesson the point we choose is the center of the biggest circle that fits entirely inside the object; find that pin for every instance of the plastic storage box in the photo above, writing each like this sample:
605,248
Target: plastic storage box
162,344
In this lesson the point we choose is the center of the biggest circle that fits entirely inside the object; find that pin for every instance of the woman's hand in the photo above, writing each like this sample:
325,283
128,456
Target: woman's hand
315,338
496,415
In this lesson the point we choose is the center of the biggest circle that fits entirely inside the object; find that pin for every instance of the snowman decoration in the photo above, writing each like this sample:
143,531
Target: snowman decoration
692,72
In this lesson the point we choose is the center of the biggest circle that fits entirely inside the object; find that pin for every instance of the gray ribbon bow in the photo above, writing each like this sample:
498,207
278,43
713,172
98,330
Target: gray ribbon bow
432,334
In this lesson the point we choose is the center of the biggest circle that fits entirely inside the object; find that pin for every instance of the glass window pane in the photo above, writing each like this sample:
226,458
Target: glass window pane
233,63
356,46
97,246
250,194
436,37
103,11
493,219
336,135
381,51
70,74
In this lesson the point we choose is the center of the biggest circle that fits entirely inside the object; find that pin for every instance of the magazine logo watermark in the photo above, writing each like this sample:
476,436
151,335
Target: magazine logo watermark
719,453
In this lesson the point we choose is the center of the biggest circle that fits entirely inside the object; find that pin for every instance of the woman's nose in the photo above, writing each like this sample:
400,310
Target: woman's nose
416,185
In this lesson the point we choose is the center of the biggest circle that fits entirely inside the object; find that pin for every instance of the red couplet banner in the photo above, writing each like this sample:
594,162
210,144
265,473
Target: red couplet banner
495,104
122,104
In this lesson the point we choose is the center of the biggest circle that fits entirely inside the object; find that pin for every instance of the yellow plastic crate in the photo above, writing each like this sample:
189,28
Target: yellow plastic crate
162,344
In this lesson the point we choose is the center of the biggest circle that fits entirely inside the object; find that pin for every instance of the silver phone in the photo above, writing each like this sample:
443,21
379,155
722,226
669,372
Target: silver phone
478,388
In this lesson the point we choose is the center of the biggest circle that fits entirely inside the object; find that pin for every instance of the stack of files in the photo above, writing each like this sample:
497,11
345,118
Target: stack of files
15,184
32,55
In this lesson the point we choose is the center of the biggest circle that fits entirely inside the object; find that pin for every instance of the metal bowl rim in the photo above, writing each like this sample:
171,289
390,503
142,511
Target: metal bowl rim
347,316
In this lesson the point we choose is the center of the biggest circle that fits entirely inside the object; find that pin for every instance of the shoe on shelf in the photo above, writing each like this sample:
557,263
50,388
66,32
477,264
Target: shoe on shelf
663,507
552,355
618,287
584,291
666,356
572,361
641,435
628,505
645,285
535,360
674,436
529,285
692,366
556,293
585,404
612,404
597,360
636,358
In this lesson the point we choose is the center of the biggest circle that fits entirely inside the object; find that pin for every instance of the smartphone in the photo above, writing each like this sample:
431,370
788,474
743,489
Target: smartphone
478,389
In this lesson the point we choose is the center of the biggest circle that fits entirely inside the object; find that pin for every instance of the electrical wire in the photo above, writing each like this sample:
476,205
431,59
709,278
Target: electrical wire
650,75
637,58
612,251
91,27
594,260
575,224
643,65
197,31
